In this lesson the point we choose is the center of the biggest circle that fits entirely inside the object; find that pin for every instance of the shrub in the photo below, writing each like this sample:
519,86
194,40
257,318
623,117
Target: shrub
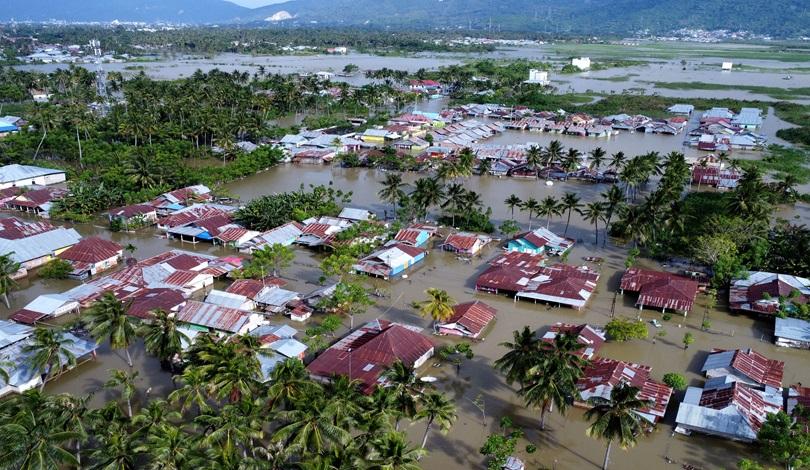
56,269
676,381
625,329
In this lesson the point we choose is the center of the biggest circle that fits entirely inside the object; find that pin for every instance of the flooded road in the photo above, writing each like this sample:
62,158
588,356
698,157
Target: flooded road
564,444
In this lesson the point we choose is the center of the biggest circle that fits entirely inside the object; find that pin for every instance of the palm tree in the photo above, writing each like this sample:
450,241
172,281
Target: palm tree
617,161
116,447
401,380
161,338
597,158
310,425
439,305
194,391
120,378
8,268
523,354
549,207
592,213
391,452
435,408
108,319
571,160
614,200
511,202
532,207
141,171
616,419
569,203
391,190
554,152
72,414
428,193
454,200
30,440
289,383
50,353
534,157
168,447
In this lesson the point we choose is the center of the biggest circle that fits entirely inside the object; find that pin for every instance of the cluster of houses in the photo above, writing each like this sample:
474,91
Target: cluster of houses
721,130
30,189
713,171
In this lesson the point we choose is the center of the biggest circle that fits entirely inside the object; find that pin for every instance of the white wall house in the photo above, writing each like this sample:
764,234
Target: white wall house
727,66
582,63
539,77
15,175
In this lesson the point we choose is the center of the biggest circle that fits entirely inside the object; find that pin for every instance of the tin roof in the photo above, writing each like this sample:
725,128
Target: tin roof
15,172
761,291
42,243
146,301
226,299
660,289
213,316
748,362
473,316
92,250
250,288
590,337
132,210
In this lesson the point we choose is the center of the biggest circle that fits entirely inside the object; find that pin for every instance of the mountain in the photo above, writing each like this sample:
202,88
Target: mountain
775,17
149,11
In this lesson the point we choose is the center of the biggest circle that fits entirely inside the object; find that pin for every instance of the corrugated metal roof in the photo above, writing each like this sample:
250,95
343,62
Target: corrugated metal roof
11,333
226,299
15,172
213,316
39,245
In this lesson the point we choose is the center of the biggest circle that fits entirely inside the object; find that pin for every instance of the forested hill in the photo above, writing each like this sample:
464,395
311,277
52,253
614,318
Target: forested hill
779,18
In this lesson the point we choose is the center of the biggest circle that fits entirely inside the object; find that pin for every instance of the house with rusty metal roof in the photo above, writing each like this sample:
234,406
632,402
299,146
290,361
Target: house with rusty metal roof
180,198
768,293
33,244
391,260
91,256
561,284
469,320
464,243
590,337
413,236
321,231
509,273
145,302
209,317
134,215
36,201
367,352
284,235
726,408
746,366
602,375
660,289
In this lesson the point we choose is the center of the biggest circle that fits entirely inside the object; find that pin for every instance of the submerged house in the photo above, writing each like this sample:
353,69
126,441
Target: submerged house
366,353
469,320
591,338
413,236
284,235
792,333
746,366
135,215
767,293
36,201
659,289
33,244
602,375
14,176
509,273
391,260
91,256
463,243
223,320
560,284
46,306
539,241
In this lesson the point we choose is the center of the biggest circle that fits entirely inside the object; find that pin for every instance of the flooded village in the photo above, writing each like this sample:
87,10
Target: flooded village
192,252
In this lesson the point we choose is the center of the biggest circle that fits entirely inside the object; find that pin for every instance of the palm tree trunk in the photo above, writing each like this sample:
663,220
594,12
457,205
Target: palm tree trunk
44,134
129,407
78,454
129,358
567,223
596,232
607,456
543,418
427,431
5,299
79,141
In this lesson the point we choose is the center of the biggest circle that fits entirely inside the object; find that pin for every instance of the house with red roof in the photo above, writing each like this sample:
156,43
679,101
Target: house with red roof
509,273
560,284
746,366
36,201
413,236
767,293
367,352
146,302
540,241
660,289
469,320
602,375
180,198
728,409
91,256
590,337
464,243
223,320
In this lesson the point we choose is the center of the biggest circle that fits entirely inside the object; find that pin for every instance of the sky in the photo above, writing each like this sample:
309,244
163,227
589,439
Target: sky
255,3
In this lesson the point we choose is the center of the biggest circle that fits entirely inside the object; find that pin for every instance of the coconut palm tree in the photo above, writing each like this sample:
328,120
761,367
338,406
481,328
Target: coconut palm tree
534,157
511,202
401,380
523,354
532,207
436,409
115,447
310,425
168,447
614,201
392,452
108,319
8,267
454,200
194,391
549,207
597,158
50,353
428,193
554,152
593,212
155,414
161,338
232,366
391,190
569,203
72,414
31,440
439,305
120,378
289,383
617,418
617,161
570,161
141,171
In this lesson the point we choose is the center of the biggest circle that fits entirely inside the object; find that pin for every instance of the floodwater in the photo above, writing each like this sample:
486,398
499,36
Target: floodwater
564,444
616,80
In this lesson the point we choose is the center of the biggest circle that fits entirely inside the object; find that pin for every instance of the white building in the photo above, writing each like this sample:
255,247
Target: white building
15,175
539,77
582,63
727,66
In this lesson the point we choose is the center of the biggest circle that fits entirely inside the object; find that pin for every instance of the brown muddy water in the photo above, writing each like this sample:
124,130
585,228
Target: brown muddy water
564,444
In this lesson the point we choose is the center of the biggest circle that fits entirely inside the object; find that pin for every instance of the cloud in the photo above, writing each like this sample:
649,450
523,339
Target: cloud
256,3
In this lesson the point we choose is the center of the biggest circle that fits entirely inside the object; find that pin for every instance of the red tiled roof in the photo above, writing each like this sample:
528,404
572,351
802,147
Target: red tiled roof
367,352
660,289
474,316
763,370
92,250
145,302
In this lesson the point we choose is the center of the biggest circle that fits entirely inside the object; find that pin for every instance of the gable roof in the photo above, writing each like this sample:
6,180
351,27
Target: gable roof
660,289
473,316
16,172
590,337
760,369
92,250
213,316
